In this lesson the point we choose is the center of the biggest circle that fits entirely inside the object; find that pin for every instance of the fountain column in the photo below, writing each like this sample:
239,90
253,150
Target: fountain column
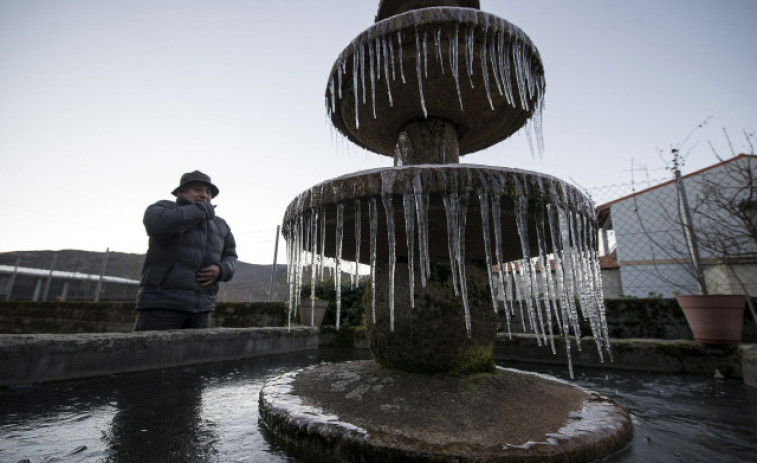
428,141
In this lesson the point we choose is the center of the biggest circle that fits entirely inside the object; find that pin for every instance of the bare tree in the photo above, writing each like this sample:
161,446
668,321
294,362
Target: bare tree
726,213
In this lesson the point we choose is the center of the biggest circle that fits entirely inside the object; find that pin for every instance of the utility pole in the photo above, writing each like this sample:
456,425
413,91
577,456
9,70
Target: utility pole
273,269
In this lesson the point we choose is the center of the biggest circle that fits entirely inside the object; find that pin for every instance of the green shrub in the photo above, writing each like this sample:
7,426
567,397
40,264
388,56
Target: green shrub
352,301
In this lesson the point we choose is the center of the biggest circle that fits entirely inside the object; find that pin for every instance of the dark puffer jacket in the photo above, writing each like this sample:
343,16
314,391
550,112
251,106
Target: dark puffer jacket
184,238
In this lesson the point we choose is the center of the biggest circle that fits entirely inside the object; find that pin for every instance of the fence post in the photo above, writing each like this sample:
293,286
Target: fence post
49,281
12,281
102,274
688,227
273,269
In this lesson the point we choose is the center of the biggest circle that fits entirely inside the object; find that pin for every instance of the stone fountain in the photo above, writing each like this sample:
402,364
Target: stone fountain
449,246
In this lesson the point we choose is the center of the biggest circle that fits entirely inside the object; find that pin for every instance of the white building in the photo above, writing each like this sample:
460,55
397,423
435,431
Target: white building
644,234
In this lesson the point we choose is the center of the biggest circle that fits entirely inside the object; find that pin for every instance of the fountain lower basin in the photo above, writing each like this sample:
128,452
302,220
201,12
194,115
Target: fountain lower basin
448,246
356,411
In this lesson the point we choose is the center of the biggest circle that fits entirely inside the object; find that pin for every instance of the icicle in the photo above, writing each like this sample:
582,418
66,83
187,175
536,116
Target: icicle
306,234
505,62
469,41
485,70
362,70
391,58
373,220
511,289
313,251
450,210
358,219
339,70
546,272
453,50
372,76
494,58
418,73
568,284
421,210
483,199
378,57
460,250
409,210
562,302
331,94
300,268
338,257
399,45
322,249
456,210
386,198
290,273
425,55
496,219
530,286
386,71
355,84
438,44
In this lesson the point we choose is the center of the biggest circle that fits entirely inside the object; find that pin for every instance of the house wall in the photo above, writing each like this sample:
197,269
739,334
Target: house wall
650,245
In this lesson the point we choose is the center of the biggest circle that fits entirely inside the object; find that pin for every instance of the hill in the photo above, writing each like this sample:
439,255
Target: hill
251,282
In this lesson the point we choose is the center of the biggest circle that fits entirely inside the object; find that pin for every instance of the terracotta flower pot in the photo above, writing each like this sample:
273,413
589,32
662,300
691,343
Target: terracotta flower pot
714,318
317,311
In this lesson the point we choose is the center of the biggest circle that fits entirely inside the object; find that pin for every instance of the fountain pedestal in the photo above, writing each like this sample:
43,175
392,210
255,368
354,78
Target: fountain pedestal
432,336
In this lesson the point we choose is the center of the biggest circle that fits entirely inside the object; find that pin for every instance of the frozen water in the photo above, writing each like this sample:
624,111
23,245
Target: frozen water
555,279
505,52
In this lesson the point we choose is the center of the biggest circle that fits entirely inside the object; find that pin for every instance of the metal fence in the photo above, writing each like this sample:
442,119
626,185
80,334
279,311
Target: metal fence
68,276
682,235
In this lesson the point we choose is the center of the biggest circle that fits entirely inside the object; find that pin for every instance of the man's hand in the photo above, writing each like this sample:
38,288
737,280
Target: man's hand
207,208
208,275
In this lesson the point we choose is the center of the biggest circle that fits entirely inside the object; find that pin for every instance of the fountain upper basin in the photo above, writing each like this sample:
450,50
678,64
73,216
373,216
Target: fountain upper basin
471,68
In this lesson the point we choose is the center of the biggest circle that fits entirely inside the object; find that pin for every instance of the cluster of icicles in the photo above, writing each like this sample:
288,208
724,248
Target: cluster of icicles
505,51
565,224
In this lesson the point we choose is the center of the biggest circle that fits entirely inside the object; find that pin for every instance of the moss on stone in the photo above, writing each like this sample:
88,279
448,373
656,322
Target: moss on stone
476,359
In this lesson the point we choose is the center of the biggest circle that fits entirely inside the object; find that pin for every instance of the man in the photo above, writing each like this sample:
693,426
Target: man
190,251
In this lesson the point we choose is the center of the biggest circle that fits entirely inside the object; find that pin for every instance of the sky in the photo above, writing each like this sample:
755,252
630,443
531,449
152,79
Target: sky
104,104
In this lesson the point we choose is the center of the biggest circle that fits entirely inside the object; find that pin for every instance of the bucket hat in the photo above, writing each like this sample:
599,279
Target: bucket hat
195,176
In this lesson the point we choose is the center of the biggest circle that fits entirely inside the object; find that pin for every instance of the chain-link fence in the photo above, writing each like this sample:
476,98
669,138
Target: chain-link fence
73,275
687,235
69,275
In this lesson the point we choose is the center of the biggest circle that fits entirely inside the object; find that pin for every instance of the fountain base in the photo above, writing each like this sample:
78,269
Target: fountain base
357,411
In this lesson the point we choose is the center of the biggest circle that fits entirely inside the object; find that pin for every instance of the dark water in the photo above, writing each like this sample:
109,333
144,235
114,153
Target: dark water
209,413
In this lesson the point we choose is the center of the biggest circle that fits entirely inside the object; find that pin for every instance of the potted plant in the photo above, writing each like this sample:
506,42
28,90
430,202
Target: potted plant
312,311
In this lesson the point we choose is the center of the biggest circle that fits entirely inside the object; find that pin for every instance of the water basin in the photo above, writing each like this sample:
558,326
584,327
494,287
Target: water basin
209,413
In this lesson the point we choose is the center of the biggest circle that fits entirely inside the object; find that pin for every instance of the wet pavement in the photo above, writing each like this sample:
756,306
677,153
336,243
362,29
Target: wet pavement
209,413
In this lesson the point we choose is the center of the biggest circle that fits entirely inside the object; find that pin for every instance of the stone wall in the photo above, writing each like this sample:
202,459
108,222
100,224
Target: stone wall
631,318
626,318
24,317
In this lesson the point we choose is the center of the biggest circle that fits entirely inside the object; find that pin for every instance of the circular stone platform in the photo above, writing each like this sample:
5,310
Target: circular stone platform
356,411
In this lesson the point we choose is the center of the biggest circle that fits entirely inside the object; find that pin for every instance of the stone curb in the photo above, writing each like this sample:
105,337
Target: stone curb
35,358
749,364
654,355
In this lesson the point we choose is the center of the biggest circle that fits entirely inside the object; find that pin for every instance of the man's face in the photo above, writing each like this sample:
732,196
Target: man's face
196,191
